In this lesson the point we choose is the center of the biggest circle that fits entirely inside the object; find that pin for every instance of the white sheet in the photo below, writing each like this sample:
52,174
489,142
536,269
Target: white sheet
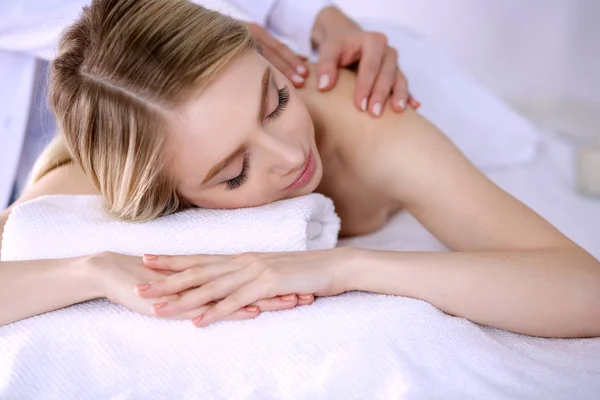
354,346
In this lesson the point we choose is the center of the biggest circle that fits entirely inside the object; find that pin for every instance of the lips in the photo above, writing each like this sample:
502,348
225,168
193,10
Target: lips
306,173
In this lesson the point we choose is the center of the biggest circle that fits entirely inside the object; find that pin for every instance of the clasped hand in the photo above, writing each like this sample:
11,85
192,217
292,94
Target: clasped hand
208,288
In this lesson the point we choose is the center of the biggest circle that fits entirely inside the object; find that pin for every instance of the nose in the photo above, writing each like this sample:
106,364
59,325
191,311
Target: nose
288,156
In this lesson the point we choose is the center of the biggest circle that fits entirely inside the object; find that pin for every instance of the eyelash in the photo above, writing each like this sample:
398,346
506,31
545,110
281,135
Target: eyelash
284,99
242,177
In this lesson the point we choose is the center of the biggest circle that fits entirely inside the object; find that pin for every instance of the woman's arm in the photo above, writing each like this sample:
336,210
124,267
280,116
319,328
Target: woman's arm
29,288
546,292
525,291
511,269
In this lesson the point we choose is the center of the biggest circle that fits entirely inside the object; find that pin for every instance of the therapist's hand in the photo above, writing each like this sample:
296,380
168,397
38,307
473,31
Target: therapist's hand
342,43
282,57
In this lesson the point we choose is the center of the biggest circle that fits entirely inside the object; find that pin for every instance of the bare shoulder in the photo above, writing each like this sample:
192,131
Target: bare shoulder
407,158
380,143
67,179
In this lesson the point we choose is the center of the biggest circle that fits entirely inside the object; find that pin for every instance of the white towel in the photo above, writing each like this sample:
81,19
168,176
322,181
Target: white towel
67,226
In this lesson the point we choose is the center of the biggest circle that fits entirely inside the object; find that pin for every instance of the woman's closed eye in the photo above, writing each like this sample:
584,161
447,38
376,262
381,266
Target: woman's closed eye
242,177
283,95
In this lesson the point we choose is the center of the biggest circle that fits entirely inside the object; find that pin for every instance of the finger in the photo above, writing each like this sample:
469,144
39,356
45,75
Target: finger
284,67
180,263
239,315
181,281
384,82
327,65
289,57
413,102
189,314
244,313
245,295
277,303
280,55
305,299
400,96
214,290
373,54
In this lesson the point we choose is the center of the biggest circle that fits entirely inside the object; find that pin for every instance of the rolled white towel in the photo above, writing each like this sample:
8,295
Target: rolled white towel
61,226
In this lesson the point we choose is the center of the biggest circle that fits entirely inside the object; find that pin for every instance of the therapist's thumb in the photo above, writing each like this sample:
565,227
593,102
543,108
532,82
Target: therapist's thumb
327,65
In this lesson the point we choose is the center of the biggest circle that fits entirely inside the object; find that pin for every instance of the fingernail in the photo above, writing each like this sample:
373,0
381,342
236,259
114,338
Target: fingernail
143,286
288,297
251,309
305,296
377,109
301,69
158,306
323,81
413,102
402,103
297,79
363,104
197,320
150,257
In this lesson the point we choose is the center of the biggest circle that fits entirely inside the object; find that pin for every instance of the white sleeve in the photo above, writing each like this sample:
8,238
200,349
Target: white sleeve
292,19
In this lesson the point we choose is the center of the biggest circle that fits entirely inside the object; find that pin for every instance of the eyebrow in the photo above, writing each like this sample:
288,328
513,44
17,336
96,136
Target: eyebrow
266,78
221,165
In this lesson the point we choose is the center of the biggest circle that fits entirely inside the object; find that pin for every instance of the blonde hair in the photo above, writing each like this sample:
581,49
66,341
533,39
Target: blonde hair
121,67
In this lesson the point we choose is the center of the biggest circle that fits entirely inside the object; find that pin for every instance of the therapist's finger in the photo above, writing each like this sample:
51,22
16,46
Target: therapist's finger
327,65
284,67
280,55
373,55
289,57
384,83
400,96
414,103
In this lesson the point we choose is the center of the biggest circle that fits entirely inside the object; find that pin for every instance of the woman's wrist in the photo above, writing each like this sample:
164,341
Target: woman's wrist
90,274
355,263
376,271
329,20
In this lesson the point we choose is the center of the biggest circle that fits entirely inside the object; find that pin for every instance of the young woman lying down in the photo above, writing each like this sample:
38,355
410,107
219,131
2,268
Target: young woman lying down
164,105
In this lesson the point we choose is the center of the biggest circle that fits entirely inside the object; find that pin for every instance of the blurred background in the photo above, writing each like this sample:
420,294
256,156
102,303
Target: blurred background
541,56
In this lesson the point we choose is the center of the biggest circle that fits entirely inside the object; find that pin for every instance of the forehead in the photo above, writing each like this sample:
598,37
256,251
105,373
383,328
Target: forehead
236,87
211,125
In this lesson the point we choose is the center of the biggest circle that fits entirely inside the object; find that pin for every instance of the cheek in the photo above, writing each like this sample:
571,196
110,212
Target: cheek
300,121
